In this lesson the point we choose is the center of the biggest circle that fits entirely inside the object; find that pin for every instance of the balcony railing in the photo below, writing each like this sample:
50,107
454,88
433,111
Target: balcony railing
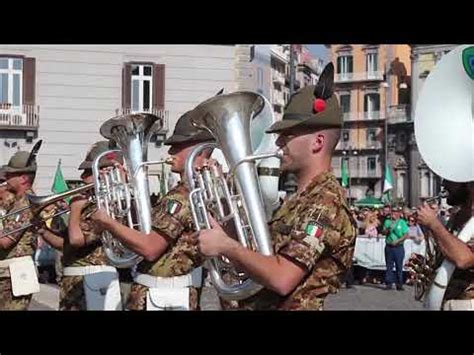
399,114
357,174
19,117
164,114
362,146
362,116
278,77
361,76
372,115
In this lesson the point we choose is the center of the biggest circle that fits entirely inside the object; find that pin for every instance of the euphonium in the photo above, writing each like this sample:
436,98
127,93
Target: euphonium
237,197
132,133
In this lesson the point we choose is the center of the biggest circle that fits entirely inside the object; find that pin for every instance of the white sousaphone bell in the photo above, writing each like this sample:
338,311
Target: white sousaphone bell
444,131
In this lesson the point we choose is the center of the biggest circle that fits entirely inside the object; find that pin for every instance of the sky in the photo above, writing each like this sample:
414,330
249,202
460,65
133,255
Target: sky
318,50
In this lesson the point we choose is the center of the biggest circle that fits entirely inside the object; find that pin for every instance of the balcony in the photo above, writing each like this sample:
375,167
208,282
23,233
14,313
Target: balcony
362,116
361,146
278,77
164,114
373,145
365,174
278,99
278,53
23,117
359,173
399,114
361,76
371,115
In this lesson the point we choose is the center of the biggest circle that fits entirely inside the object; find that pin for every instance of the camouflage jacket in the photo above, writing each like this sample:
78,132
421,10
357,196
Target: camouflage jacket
26,240
171,218
6,204
91,254
461,284
315,230
7,201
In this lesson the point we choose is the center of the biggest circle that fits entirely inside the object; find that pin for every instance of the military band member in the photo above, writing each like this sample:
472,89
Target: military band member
88,281
313,231
6,197
460,291
170,275
18,276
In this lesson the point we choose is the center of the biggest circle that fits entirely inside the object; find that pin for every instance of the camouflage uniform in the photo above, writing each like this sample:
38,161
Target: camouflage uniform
26,246
315,230
172,219
72,296
5,204
7,201
461,284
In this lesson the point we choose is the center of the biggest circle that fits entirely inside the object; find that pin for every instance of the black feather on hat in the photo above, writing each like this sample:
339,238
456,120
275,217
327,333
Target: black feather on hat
34,152
325,86
313,107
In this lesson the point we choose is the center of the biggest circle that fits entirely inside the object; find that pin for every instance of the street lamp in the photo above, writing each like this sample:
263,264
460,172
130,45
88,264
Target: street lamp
386,86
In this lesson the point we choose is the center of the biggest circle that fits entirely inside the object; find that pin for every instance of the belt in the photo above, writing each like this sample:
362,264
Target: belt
7,262
394,246
193,279
4,264
87,270
459,305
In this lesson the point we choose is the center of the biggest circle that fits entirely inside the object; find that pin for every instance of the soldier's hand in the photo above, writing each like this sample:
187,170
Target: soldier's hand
100,216
214,241
426,216
78,204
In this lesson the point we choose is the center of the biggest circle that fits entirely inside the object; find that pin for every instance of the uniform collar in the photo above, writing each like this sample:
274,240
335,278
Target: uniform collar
318,180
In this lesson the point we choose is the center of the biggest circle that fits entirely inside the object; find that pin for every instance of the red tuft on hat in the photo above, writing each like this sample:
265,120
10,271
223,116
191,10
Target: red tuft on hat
319,105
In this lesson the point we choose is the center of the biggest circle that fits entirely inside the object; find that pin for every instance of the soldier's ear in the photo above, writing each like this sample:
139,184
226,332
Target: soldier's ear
317,142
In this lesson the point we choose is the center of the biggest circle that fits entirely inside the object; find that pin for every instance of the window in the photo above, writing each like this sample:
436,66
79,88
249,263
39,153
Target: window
372,105
344,64
142,82
371,136
17,92
371,62
143,87
345,136
345,102
400,184
11,81
424,184
371,164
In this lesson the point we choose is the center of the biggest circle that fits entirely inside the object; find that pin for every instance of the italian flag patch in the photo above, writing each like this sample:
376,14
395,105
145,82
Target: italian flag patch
314,229
173,207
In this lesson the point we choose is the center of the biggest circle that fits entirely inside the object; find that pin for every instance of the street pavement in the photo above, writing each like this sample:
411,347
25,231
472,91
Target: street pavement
359,297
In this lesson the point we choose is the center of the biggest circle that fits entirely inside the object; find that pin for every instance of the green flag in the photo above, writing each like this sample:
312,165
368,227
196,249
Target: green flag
345,174
59,184
388,182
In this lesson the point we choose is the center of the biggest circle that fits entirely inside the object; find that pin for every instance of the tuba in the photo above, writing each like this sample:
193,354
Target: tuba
446,105
127,196
238,196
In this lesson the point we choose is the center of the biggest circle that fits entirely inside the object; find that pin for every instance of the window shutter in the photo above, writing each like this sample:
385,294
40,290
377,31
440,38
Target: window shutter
126,86
349,60
377,102
159,87
29,81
